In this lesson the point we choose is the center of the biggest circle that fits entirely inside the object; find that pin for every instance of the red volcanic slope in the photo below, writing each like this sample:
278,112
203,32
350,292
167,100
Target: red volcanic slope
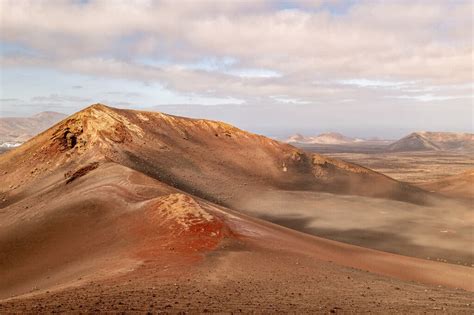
111,199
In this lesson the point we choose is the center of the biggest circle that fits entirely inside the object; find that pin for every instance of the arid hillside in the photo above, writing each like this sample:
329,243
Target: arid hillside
206,158
126,211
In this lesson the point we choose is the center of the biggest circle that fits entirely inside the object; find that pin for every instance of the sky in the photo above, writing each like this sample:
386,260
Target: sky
364,68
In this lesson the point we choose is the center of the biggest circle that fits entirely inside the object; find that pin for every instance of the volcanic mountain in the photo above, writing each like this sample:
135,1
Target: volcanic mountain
434,141
193,155
118,210
20,129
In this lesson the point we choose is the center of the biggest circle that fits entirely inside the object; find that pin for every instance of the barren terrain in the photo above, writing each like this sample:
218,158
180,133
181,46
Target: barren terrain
412,167
441,232
242,278
116,210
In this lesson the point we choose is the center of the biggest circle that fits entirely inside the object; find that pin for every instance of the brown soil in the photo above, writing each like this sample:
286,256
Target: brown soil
246,278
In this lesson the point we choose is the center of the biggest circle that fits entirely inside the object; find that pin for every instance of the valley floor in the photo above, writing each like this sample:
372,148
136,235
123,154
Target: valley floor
412,167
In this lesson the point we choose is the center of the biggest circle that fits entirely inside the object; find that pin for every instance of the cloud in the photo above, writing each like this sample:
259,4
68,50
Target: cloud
9,99
431,97
58,98
376,83
306,51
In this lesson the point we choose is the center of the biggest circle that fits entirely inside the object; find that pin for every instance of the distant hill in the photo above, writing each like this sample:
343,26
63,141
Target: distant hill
434,141
324,138
15,130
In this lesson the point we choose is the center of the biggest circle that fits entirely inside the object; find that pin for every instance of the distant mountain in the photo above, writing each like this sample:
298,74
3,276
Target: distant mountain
434,141
296,138
15,130
324,138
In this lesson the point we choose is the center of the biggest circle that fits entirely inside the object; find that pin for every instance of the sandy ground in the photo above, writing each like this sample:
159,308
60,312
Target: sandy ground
441,231
258,267
246,279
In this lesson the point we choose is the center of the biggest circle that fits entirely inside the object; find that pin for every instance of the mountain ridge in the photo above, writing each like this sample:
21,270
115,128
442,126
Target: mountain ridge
178,143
